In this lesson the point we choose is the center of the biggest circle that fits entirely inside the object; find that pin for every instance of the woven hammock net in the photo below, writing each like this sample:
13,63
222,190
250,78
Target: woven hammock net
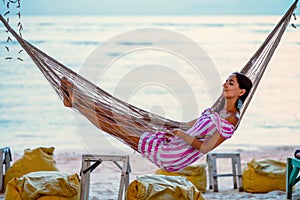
123,120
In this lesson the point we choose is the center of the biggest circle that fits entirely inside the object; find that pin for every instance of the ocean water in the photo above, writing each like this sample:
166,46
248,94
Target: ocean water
156,77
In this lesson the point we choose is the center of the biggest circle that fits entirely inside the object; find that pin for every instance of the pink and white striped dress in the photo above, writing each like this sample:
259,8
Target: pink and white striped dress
174,154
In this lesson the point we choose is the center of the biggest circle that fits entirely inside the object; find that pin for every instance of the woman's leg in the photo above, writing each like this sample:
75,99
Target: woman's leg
117,125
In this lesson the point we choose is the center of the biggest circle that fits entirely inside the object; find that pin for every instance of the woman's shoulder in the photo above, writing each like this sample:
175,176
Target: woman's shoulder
233,118
230,117
207,111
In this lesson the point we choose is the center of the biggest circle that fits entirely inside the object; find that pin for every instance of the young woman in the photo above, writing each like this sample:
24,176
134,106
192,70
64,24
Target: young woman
175,149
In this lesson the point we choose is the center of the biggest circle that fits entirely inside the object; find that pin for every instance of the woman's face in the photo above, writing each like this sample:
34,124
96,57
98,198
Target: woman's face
231,88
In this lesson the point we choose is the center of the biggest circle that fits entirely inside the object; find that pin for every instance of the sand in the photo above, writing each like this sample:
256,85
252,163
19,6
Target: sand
104,183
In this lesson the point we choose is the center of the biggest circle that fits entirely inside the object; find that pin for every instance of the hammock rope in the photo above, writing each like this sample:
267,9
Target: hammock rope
119,114
256,66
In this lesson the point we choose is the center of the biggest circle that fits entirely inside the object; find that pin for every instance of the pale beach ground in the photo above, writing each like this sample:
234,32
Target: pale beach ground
105,179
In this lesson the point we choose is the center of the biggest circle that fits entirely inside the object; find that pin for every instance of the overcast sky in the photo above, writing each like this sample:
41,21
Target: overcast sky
155,7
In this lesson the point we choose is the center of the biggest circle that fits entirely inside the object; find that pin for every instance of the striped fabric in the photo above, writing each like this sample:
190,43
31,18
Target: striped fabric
174,154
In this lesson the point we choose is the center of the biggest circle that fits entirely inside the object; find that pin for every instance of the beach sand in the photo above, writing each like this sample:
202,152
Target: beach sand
104,183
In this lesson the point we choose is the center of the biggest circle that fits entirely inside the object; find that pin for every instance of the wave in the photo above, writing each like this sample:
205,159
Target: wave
280,126
135,43
45,24
84,42
7,122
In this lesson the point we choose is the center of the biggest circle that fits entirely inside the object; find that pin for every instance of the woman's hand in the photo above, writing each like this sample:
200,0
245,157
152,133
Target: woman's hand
192,141
203,147
170,133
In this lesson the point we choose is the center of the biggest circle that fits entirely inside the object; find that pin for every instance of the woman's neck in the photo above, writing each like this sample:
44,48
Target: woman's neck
230,106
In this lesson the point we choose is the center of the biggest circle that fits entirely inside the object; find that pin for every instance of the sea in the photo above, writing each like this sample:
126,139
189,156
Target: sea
173,66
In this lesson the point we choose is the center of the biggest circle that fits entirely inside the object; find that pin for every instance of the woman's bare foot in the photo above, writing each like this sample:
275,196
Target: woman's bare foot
67,89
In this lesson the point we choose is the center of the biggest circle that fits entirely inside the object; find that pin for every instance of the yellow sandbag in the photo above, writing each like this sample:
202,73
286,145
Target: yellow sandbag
196,174
264,176
44,185
39,159
161,187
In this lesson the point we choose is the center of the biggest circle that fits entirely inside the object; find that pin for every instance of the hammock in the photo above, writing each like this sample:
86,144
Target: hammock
116,111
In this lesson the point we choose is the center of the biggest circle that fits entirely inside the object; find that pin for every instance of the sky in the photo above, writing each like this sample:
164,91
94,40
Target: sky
154,7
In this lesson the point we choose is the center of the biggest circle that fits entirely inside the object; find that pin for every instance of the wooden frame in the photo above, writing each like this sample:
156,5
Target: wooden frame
87,168
236,170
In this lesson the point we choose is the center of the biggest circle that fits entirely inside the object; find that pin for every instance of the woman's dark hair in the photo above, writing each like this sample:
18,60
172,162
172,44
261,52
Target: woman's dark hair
244,83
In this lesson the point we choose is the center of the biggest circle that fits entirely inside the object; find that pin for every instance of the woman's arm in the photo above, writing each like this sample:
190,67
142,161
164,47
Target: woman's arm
191,123
204,147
